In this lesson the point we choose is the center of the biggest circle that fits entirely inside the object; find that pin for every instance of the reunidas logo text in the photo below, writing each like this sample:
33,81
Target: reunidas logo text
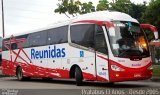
48,53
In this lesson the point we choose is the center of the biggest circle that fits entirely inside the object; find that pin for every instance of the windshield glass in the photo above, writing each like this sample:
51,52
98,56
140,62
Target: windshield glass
128,40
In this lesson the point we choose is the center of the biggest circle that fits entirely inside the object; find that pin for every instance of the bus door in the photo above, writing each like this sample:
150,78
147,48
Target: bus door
101,55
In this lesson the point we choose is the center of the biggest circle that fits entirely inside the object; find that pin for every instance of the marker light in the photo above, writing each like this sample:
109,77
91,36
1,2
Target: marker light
116,68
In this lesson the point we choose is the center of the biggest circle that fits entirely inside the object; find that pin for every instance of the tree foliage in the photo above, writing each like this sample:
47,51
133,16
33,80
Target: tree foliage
121,6
143,13
67,7
137,10
103,5
86,8
152,13
72,7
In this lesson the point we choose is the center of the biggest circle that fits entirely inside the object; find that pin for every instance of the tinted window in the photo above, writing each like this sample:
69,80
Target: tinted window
23,43
14,46
58,35
37,39
128,40
3,46
55,36
6,45
100,42
19,42
83,34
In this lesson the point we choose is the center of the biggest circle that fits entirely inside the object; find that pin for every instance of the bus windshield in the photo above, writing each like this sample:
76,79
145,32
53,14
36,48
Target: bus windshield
128,40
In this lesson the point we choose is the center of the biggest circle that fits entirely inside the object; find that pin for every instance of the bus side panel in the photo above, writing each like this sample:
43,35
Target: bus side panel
85,59
7,64
6,68
11,60
43,67
42,64
46,64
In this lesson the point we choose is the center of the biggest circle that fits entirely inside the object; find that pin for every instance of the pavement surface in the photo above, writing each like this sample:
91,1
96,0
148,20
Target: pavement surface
11,86
68,87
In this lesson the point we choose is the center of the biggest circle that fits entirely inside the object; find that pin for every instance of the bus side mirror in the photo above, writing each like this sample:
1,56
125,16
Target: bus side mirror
152,28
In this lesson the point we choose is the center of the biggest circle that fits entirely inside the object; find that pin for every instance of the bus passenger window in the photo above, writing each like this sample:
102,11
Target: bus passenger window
83,35
4,45
58,35
37,39
14,46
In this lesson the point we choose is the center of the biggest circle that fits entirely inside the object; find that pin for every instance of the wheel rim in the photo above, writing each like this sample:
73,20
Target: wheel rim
19,74
75,74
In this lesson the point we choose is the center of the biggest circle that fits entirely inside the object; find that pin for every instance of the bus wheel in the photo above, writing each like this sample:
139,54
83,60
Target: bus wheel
19,74
78,76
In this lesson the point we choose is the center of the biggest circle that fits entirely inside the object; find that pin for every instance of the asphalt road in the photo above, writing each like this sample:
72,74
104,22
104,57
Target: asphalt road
68,87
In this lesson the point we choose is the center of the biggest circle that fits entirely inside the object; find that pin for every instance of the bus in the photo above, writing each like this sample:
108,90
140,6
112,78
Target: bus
0,51
105,46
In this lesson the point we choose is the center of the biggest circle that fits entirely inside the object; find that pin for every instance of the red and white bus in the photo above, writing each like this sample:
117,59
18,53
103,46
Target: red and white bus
0,51
102,46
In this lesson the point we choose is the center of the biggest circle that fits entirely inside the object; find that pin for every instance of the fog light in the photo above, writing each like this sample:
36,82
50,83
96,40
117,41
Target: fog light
117,75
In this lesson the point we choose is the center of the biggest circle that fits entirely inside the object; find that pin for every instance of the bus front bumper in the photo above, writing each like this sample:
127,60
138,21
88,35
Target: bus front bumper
130,75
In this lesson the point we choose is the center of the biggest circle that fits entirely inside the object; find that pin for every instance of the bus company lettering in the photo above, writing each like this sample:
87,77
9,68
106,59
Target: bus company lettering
136,64
48,53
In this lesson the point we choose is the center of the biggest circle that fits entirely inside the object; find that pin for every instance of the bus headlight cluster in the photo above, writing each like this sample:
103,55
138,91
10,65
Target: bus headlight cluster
116,68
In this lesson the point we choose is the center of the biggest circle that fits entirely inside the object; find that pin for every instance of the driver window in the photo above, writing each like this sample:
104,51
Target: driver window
100,42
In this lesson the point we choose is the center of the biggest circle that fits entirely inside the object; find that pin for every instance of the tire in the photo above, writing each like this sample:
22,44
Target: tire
78,76
20,76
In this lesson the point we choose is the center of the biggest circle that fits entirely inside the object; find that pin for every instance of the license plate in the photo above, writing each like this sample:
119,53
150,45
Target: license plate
137,75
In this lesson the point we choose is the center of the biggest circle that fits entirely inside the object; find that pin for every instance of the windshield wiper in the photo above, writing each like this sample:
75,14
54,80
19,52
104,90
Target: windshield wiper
131,53
123,52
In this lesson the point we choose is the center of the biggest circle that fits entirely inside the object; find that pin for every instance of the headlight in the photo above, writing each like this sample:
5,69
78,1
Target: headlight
116,68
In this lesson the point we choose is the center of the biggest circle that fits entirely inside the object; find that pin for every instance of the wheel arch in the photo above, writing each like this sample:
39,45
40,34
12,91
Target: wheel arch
17,68
72,70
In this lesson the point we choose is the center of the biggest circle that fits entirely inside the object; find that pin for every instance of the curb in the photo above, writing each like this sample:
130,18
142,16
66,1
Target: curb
156,79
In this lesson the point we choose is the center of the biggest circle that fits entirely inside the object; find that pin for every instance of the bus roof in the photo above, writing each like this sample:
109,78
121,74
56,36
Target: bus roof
106,16
100,16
